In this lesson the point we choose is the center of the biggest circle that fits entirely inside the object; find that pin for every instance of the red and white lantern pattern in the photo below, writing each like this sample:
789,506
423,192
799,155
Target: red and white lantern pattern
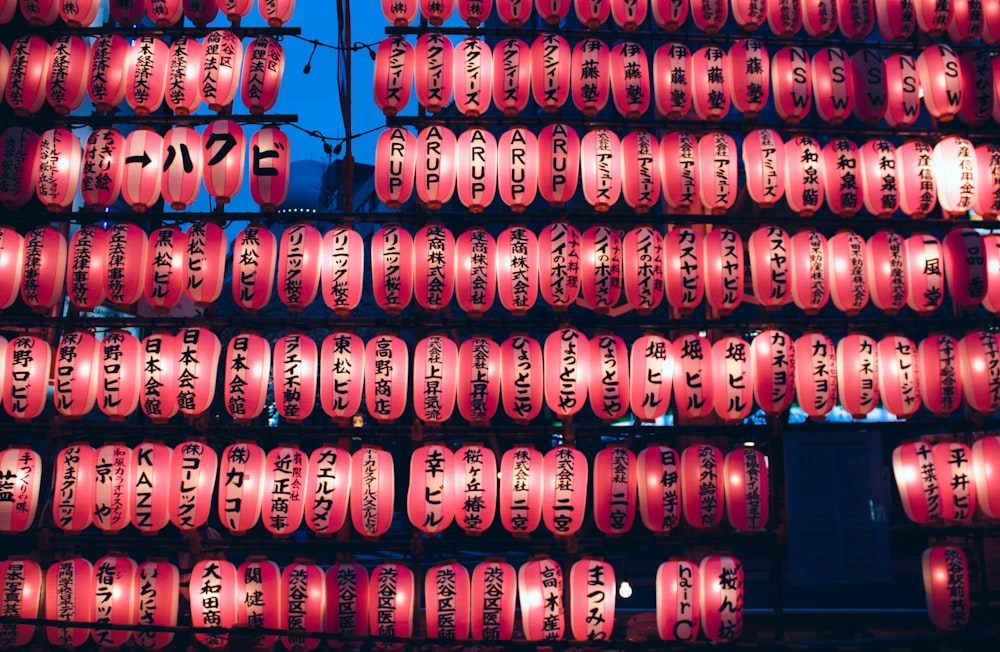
615,489
119,374
946,586
386,373
601,168
158,588
12,265
183,160
678,165
517,269
954,167
678,608
848,278
347,599
976,70
183,88
150,491
434,360
475,489
815,374
80,13
965,268
27,357
73,500
940,380
476,274
832,85
225,149
631,92
391,602
723,257
769,266
146,74
522,378
809,271
475,12
303,590
341,375
642,267
559,256
601,268
395,166
592,589
400,13
711,87
204,262
791,84
108,65
551,59
165,276
685,286
702,488
658,471
113,494
342,277
558,163
200,351
143,178
299,253
44,268
564,494
902,85
286,471
710,16
733,377
447,599
672,82
750,75
517,165
21,469
721,598
373,491
476,163
651,379
540,593
71,601
478,380
434,72
694,376
327,489
748,15
21,582
18,172
924,273
395,61
917,185
940,81
840,167
745,472
897,375
435,267
58,162
985,457
953,467
764,165
494,595
590,76
193,468
522,483
716,172
104,167
221,68
28,74
263,69
979,367
987,199
214,600
641,175
69,64
255,253
772,358
567,371
270,168
473,62
886,266
858,374
115,587
241,486
435,177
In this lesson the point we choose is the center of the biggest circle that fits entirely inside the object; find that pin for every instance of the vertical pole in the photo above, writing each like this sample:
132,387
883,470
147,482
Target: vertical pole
348,172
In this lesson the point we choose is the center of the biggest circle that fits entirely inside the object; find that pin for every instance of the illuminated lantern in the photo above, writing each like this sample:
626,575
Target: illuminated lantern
394,66
28,75
809,271
946,587
70,598
940,80
28,358
933,17
346,599
182,167
399,13
434,267
954,168
886,258
745,472
193,468
517,269
723,257
21,469
896,20
493,599
446,601
631,93
784,17
979,367
73,499
328,487
564,494
567,358
157,591
115,590
146,74
224,152
435,360
953,466
214,600
12,266
475,12
615,489
858,374
709,16
791,84
550,71
819,17
522,378
917,185
669,14
879,178
601,166
870,85
772,362
976,72
693,376
512,76
8,8
769,267
120,374
21,583
18,169
103,168
435,176
109,57
940,382
641,174
803,168
254,256
856,18
473,77
200,350
592,589
711,86
642,267
80,13
165,277
991,244
284,495
924,273
221,68
702,487
476,169
590,76
296,359
559,258
476,278
985,454
851,270
386,376
160,360
716,172
540,594
277,13
58,169
263,69
902,91
685,287
733,374
720,596
128,13
815,374
44,268
475,469
592,13
434,71
40,13
677,602
343,270
478,384
749,15
659,488
558,163
672,80
651,380
113,495
601,268
609,377
341,381
299,254
521,485
303,592
143,178
965,268
991,23
764,165
165,12
832,85
986,201
678,166
391,601
395,166
150,475
437,11
241,486
392,255
517,168
69,64
750,73
553,12
840,164
200,12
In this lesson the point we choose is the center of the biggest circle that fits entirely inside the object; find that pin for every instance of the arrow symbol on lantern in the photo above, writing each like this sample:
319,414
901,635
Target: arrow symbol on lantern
143,159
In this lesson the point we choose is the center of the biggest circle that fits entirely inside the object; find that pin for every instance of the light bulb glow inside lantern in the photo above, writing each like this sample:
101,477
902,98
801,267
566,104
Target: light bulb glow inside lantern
625,590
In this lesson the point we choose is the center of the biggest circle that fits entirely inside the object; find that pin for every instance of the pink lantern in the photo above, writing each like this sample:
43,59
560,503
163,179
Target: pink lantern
879,178
946,587
28,74
809,271
474,12
953,465
658,473
902,85
399,13
73,499
182,167
434,71
395,166
991,23
296,359
522,482
764,165
897,375
69,64
476,167
18,172
896,20
939,380
721,598
685,287
711,87
642,267
590,76
165,13
567,360
651,379
850,268
856,18
716,172
976,71
815,374
299,254
784,17
870,85
263,69
749,15
917,186
601,168
924,273
128,13
540,593
832,85
80,13
745,472
119,374
160,360
609,379
303,588
224,145
517,168
58,164
447,600
517,269
733,373
710,16
553,11
435,176
221,68
694,376
21,469
985,453
72,602
672,79
631,89
12,266
559,271
940,80
214,600
328,486
592,589
201,12
386,376
113,504
592,14
254,256
677,603
109,57
772,362
392,265
750,73
478,380
933,17
277,13
991,245
986,201
841,184
965,268
435,11
193,468
143,178
115,589
373,491
391,601
601,268
979,367
954,169
522,378
341,383
165,277
473,77
551,60
200,351
150,497
434,359
564,497
343,269
347,599
701,487
146,74
723,258
819,17
241,486
21,583
248,372
678,167
28,358
285,472
512,68
394,66
476,277
494,595
434,267
641,174
886,257
669,14
615,489
475,468
558,163
791,83
44,268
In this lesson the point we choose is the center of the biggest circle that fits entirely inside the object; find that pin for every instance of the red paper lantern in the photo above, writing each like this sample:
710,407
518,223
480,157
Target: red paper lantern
940,381
819,17
165,276
870,85
21,469
241,486
979,367
601,168
80,13
896,21
296,359
328,487
160,380
879,178
651,380
721,598
701,487
809,271
659,488
28,358
946,587
815,374
346,599
550,71
386,375
716,172
146,74
769,266
678,166
182,167
711,86
986,201
58,164
733,391
772,360
299,255
394,65
517,168
933,17
601,268
641,179
276,13
436,12
953,466
447,601
592,590
840,166
200,350
73,499
954,167
590,76
150,496
263,69
856,18
902,85
592,14
115,590
392,257
392,598
434,71
642,267
669,14
521,378
104,167
630,81
749,15
434,267
609,377
784,17
965,267
478,384
120,374
791,82
710,16
750,73
924,273
435,177
564,494
73,601
109,57
723,257
560,260
11,265
113,495
615,489
434,359
672,77
476,169
372,491
511,76
558,163
164,12
75,376
128,13
18,169
224,152
303,588
494,595
991,23
985,456
991,245
474,12
214,598
566,363
553,11
745,472
21,582
897,375
342,272
521,485
395,166
254,258
400,13
851,272
285,471
917,185
44,265
221,68
976,72
677,603
143,178
694,376
193,468
341,377
68,65
28,74
157,590
940,81
966,21
517,269
475,469
832,85
473,77
685,287
540,593
886,258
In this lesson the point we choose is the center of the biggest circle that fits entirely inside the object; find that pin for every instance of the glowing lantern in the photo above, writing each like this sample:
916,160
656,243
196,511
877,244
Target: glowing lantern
553,12
214,600
896,20
395,166
558,163
44,268
299,254
128,13
694,376
494,594
435,176
641,174
682,250
939,380
791,84
120,374
965,268
540,593
953,468
710,16
879,178
341,383
902,85
478,384
870,85
21,469
69,64
157,590
475,12
28,358
601,268
200,350
733,378
18,171
73,500
979,367
946,587
303,589
933,17
991,23
475,491
58,164
940,80
745,472
809,272
750,72
954,168
328,487
550,71
592,589
672,70
146,74
394,66
115,591
517,269
897,375
677,602
601,168
476,167
517,168
720,596
71,601
784,17
21,583
277,13
391,601
434,359
224,147
200,12
819,17
182,167
615,489
160,381
221,68
521,378
631,93
832,85
12,266
113,495
917,185
241,486
985,456
886,264
849,282
75,376
473,77
669,14
512,68
392,265
399,13
723,256
284,491
386,376
609,379
976,72
521,485
716,172
164,274
343,269
592,14
564,494
109,60
815,374
856,18
8,8
764,165
80,13
296,359
559,258
263,69
701,487
991,244
143,178
711,85
678,167
749,15
986,201
27,75
164,12
446,600
150,475
772,362
659,488
434,267
346,599
193,468
103,168
651,380
642,267
254,257
434,71
567,357
590,76
437,11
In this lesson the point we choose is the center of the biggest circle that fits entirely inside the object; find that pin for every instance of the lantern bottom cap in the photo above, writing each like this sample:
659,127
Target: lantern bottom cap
515,24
